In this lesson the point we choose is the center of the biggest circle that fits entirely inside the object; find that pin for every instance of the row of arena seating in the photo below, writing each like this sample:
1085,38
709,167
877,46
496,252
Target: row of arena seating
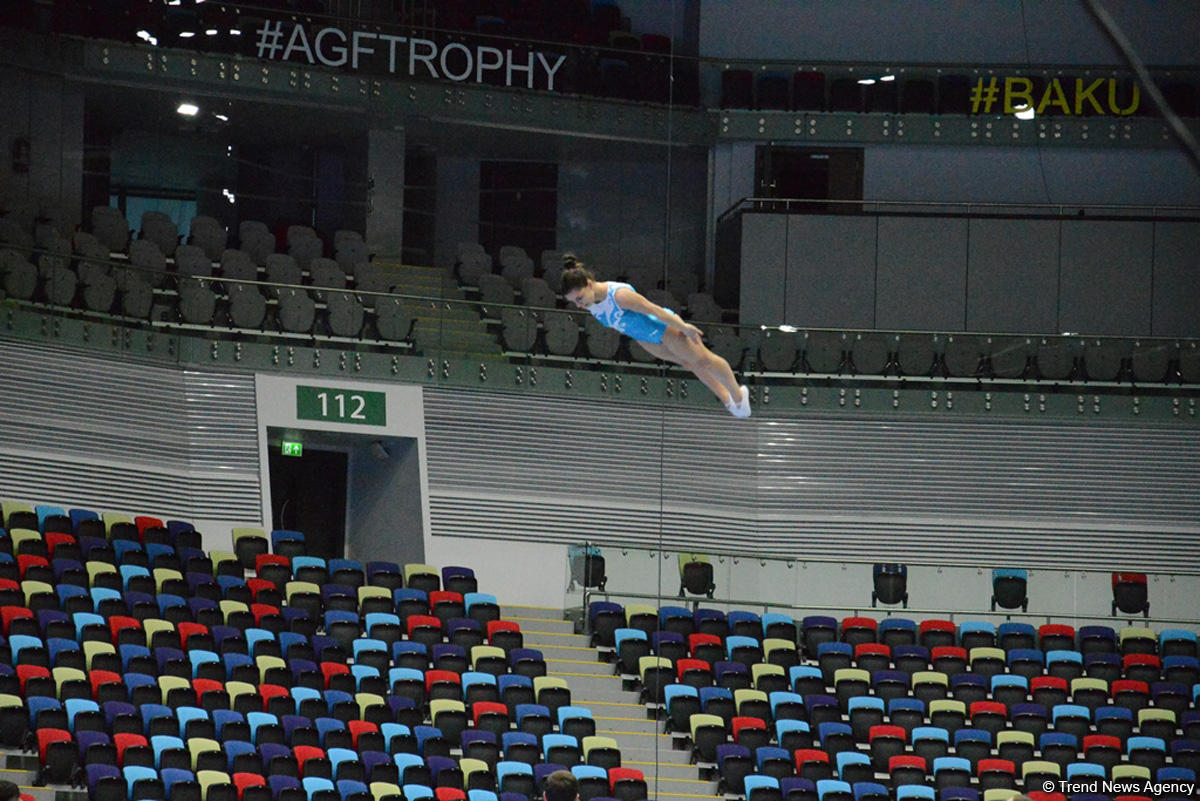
605,617
154,669
774,707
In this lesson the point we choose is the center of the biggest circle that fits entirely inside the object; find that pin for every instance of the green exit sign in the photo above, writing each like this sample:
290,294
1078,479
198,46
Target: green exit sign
293,449
341,406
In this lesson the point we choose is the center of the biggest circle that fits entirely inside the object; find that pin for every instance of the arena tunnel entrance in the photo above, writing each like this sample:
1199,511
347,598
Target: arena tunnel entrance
352,495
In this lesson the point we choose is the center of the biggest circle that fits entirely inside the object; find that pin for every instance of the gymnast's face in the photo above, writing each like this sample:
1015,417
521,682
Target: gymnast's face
582,297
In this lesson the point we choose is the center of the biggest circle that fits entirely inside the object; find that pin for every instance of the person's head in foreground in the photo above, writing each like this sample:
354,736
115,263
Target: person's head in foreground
9,791
560,786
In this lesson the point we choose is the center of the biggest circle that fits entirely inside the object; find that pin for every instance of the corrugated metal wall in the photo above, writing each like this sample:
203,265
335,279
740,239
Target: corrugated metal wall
117,434
962,491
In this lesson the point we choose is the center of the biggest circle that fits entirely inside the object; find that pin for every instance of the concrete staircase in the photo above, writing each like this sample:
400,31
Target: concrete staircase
618,714
451,328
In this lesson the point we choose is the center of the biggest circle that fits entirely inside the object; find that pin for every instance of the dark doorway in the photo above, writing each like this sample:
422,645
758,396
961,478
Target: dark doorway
308,494
809,174
518,205
420,204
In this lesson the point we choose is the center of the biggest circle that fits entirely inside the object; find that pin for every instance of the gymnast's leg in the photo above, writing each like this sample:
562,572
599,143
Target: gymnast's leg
710,368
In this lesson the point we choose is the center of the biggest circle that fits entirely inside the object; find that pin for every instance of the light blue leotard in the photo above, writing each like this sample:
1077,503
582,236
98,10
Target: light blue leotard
642,327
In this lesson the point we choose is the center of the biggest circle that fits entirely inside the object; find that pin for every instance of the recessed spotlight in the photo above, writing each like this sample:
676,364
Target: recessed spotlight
186,34
188,109
887,78
866,81
234,32
211,32
221,117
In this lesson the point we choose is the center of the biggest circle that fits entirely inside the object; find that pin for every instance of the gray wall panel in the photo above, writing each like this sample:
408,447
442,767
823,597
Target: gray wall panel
831,271
922,273
861,487
76,428
1012,276
1176,279
764,268
1105,286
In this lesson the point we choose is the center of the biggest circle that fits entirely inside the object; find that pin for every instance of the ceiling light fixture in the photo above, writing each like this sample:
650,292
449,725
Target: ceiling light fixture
188,109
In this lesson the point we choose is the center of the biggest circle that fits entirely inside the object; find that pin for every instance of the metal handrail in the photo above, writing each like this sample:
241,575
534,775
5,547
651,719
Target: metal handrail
1063,209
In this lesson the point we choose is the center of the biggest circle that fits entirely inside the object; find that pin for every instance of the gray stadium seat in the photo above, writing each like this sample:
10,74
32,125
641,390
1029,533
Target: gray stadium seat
519,329
159,229
326,273
258,244
192,260
702,308
472,262
20,277
640,354
1009,356
494,290
351,252
778,351
209,235
250,228
304,251
99,292
562,333
110,227
663,298
197,301
602,342
299,233
915,354
371,278
871,352
238,265
1104,358
93,257
515,265
247,306
725,342
297,311
346,314
58,255
965,354
282,269
145,255
137,297
824,350
1056,357
60,284
537,293
1189,362
1152,359
393,320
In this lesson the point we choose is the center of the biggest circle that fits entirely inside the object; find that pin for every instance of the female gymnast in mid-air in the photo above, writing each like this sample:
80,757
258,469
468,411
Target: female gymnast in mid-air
660,331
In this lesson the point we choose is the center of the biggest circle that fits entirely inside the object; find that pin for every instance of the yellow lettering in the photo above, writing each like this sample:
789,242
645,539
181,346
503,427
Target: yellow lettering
1011,93
1059,99
1112,99
1089,94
